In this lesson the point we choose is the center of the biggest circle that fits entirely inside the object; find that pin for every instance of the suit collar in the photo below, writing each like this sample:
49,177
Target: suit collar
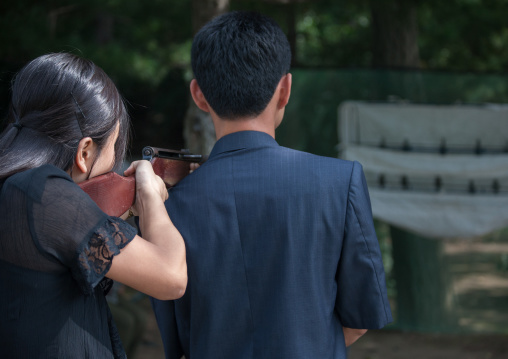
242,140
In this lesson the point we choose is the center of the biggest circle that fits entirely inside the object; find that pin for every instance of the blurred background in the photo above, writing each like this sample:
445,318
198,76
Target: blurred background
449,295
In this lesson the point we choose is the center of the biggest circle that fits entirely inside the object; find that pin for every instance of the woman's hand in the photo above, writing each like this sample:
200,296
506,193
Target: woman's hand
154,264
193,166
149,186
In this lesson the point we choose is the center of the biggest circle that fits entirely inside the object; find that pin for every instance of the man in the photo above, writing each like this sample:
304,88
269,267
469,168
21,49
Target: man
282,257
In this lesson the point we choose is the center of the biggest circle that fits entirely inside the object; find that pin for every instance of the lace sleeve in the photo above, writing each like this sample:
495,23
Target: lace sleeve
95,255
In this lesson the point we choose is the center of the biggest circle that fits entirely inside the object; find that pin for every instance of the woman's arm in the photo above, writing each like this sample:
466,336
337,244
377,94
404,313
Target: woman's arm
154,264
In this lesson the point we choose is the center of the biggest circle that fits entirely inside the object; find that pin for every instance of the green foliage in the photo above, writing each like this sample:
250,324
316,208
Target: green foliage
137,43
334,34
329,33
142,44
144,39
464,35
125,38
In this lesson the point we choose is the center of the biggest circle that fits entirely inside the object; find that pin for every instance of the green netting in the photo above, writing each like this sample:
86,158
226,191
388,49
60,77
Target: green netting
310,122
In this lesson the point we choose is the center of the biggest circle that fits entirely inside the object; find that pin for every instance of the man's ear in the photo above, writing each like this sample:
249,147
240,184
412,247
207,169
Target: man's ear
198,97
83,159
284,90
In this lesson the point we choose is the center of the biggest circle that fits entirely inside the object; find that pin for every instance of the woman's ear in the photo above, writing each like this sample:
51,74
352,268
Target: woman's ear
84,159
198,97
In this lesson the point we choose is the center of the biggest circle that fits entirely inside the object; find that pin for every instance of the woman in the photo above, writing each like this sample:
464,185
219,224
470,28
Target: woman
58,250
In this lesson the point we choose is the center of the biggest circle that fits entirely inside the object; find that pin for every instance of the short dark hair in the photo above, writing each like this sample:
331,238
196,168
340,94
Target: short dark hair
58,99
238,59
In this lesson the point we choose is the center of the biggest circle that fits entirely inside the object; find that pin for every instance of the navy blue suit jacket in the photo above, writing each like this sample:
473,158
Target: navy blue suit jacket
281,253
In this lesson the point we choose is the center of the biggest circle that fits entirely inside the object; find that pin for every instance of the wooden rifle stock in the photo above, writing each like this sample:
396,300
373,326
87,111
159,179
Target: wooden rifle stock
115,194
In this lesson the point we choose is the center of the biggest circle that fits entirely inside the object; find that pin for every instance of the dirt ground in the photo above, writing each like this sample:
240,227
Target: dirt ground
387,344
380,344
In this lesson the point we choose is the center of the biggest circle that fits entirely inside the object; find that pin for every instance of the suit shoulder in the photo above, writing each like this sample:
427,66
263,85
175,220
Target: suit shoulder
343,165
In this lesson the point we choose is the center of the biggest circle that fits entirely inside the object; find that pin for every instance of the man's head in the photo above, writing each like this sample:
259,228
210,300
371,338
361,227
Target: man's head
238,59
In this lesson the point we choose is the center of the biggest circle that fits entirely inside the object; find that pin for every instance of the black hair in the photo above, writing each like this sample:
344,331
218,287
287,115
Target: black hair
238,59
58,99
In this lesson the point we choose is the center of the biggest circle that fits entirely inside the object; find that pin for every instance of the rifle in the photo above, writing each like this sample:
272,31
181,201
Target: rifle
115,194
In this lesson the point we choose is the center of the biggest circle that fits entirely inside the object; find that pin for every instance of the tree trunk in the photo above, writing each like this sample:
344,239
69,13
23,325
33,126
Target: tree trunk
104,28
395,34
199,134
205,10
424,294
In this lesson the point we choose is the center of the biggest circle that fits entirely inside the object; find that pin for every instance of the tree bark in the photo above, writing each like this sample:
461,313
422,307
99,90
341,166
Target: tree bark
199,134
104,28
395,34
424,294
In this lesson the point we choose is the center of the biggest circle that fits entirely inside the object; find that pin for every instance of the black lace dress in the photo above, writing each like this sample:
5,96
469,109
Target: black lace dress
56,246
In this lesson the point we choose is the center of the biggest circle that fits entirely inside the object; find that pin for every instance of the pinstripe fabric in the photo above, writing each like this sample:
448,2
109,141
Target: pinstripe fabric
281,253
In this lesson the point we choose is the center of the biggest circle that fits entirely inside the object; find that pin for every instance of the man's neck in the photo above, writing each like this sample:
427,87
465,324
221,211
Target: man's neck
225,127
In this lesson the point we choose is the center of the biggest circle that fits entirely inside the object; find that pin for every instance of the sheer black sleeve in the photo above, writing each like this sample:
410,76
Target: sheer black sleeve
68,227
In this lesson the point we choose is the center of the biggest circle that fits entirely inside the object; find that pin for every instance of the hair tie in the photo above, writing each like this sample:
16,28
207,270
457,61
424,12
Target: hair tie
19,126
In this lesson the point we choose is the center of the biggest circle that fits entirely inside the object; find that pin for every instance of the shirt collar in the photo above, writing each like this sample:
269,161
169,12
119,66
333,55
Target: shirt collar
242,140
